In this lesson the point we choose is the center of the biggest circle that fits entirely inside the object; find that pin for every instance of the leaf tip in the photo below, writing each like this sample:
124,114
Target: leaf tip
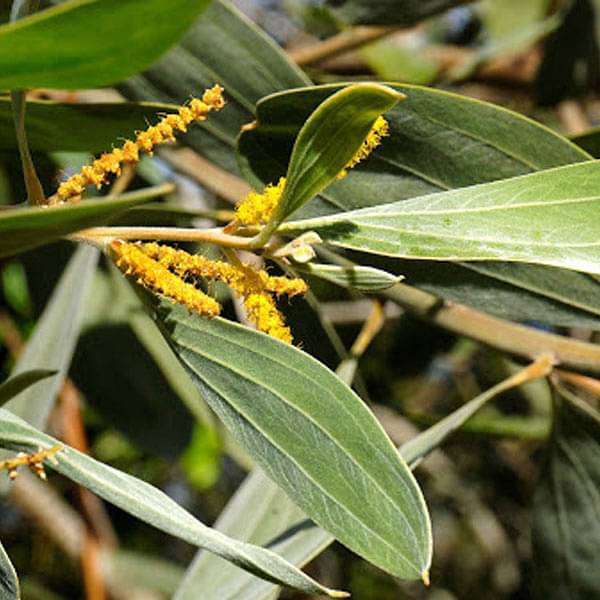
425,578
337,594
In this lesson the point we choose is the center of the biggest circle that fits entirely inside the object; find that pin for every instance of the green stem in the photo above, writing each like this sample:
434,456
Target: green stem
35,192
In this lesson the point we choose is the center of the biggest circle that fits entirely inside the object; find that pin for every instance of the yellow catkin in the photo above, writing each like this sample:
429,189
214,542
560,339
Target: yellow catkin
35,462
254,286
257,208
263,312
379,130
98,172
157,278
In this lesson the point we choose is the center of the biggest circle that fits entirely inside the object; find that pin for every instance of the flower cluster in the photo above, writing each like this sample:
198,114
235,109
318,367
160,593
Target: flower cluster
163,132
35,462
379,130
256,208
177,275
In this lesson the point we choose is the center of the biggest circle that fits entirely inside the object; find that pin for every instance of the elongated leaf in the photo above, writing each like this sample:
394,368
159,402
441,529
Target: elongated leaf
566,512
416,449
259,513
389,12
364,279
26,228
249,65
52,343
438,141
329,139
9,584
89,43
311,434
589,141
17,384
546,218
52,126
154,507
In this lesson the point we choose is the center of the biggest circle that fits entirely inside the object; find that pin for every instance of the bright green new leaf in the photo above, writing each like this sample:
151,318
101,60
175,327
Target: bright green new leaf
549,217
19,383
566,508
311,434
26,228
53,126
152,506
90,43
9,583
329,139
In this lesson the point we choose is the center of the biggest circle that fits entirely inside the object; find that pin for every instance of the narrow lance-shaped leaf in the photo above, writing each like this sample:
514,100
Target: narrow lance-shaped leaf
277,521
19,383
311,434
153,506
54,126
566,508
53,340
90,43
549,217
26,228
329,139
9,584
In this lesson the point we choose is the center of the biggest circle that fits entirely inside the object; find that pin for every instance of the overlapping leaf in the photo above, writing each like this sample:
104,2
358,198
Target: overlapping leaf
29,227
154,507
19,383
52,126
90,43
311,434
9,584
566,511
549,217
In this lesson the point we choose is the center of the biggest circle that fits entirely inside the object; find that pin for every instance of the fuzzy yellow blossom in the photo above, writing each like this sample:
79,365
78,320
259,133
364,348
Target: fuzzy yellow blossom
263,312
35,462
254,286
157,278
243,279
110,163
257,208
379,130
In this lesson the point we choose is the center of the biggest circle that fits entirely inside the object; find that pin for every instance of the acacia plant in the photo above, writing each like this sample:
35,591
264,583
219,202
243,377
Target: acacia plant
464,214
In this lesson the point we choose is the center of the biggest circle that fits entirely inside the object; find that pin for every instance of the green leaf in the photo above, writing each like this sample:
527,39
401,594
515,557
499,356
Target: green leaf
259,513
389,12
26,228
416,449
545,218
53,126
19,383
152,506
249,65
329,139
363,279
566,511
90,43
53,341
9,584
438,141
589,140
311,434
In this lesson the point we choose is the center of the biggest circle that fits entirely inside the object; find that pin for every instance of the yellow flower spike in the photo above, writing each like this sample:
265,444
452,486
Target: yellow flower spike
34,460
263,312
257,208
254,286
110,163
157,278
379,130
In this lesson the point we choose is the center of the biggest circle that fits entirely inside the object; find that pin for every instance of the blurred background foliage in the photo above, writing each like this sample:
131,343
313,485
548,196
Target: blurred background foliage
538,57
